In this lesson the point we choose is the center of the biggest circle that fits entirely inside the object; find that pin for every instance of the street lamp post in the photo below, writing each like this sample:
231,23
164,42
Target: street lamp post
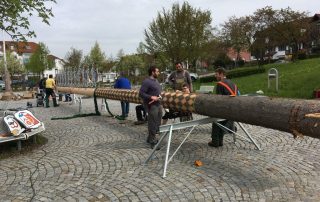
267,42
8,91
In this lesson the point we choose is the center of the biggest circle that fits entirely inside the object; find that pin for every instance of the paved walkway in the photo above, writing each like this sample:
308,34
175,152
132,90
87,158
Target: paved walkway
101,159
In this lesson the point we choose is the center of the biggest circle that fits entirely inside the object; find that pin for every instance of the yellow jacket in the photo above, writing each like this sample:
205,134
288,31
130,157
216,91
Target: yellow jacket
50,83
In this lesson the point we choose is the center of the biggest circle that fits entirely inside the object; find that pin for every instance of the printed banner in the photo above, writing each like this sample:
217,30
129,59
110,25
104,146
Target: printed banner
27,119
13,125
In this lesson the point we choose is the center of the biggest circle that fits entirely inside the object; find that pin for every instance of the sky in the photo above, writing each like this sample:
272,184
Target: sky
120,24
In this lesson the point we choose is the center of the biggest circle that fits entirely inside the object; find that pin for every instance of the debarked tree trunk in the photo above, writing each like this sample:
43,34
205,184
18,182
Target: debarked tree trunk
289,115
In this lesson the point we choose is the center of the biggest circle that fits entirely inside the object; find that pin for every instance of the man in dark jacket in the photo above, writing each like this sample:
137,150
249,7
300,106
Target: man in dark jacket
150,93
224,87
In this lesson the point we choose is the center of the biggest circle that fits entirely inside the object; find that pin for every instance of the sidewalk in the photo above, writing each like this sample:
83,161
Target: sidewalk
99,158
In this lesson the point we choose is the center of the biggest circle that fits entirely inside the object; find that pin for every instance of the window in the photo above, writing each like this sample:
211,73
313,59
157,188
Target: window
282,48
28,47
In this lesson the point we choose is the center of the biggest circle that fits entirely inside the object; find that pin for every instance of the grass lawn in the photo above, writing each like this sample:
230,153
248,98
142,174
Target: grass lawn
296,80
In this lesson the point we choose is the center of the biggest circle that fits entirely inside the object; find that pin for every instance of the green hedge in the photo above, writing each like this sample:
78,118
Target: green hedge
239,72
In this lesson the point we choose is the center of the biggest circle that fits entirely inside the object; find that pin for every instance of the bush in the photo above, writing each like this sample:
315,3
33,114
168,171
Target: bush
222,60
314,56
241,63
245,71
238,72
302,55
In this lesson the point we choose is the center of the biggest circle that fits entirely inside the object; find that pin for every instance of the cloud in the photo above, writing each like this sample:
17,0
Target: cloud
120,24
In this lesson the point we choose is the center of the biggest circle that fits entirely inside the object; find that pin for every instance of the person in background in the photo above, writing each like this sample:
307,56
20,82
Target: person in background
185,116
179,77
171,114
42,84
141,115
50,86
123,83
67,97
224,87
150,93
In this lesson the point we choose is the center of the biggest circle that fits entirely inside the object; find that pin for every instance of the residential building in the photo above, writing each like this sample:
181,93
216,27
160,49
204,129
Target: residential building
304,37
57,67
244,55
23,52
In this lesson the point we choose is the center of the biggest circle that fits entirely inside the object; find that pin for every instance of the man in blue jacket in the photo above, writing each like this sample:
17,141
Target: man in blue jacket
123,83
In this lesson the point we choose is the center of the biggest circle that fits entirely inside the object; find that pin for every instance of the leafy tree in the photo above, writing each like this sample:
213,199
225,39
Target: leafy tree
282,27
73,58
109,64
129,63
141,49
120,54
313,35
13,64
14,20
14,16
215,52
234,34
179,34
97,57
39,60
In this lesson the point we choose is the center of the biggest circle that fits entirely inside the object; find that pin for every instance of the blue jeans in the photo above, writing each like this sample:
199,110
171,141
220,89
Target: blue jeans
125,108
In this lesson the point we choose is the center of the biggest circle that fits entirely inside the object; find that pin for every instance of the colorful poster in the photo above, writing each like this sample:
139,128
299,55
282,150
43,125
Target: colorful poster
27,119
13,125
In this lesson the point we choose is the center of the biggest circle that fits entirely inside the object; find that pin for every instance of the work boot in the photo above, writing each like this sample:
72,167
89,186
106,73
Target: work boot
47,102
154,144
221,139
215,140
152,139
55,102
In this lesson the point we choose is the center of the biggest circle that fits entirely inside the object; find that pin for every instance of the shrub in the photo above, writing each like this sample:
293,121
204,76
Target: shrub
245,71
302,55
238,72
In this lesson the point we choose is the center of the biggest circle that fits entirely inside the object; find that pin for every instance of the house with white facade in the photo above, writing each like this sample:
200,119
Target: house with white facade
23,51
57,67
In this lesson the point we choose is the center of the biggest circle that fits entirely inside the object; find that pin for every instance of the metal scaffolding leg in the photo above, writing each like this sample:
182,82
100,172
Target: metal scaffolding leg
77,99
235,133
168,130
103,105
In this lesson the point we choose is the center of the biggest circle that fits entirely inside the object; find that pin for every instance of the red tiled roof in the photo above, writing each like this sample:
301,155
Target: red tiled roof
53,57
21,47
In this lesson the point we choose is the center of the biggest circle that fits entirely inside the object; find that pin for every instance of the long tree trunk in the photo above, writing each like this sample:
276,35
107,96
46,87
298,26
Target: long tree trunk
289,115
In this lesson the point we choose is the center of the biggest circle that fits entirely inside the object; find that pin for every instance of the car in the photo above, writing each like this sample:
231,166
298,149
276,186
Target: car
2,85
194,76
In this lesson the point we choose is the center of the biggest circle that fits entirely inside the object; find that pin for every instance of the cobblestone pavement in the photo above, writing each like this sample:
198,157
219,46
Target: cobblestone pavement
100,158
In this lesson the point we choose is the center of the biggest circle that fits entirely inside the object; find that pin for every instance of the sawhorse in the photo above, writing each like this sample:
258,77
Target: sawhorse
77,99
168,129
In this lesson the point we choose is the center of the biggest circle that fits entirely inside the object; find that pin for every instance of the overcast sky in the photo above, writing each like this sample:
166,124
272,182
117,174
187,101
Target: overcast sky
120,24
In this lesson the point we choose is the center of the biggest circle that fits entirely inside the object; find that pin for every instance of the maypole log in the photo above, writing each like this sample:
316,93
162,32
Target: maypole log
289,115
